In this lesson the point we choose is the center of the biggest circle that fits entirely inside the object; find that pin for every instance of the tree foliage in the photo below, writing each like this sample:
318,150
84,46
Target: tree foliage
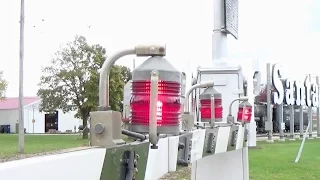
262,96
71,81
126,74
3,86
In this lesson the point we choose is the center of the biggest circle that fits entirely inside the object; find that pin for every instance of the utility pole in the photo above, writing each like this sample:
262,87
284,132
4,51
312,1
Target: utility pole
269,106
21,120
219,36
133,64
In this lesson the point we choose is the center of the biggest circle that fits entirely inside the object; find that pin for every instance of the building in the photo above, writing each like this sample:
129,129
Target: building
34,121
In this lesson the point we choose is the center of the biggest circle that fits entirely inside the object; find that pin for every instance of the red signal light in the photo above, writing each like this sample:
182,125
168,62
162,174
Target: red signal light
205,105
244,112
168,106
205,110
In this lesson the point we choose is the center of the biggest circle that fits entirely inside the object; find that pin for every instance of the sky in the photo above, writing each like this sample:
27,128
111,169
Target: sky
285,32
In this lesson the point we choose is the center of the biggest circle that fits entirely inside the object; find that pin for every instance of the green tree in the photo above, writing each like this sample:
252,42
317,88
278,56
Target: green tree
70,82
3,86
126,74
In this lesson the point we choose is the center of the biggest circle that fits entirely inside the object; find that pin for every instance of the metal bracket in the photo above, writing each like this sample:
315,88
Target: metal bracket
222,29
210,141
187,122
123,162
233,138
268,125
184,153
105,128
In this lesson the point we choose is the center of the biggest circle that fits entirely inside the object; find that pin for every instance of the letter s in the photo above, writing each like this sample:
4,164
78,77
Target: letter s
277,97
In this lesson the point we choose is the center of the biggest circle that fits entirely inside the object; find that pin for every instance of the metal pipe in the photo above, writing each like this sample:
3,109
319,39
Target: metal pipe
280,112
201,85
238,99
269,115
198,126
104,76
193,82
130,167
310,121
310,112
302,144
301,121
291,121
213,114
153,138
149,50
134,134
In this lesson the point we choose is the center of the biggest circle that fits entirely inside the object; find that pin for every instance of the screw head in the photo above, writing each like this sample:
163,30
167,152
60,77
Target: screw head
137,156
152,49
99,128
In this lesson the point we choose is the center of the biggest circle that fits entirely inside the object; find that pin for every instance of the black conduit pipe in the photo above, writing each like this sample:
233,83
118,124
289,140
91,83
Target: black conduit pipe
134,134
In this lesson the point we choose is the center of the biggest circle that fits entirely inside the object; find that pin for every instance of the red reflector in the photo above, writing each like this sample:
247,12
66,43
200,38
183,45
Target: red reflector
205,109
246,116
168,105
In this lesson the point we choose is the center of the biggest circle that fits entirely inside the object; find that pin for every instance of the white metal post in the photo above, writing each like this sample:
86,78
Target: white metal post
291,122
21,119
280,111
310,115
33,120
301,121
310,122
269,112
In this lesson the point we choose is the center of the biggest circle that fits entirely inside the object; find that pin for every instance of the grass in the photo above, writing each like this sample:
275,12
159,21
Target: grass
267,161
276,161
38,143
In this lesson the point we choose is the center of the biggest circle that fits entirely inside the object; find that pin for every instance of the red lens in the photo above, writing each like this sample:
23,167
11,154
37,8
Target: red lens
205,108
245,113
168,105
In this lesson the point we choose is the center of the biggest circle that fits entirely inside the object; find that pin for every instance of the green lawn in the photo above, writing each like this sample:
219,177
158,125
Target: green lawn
267,161
38,143
276,161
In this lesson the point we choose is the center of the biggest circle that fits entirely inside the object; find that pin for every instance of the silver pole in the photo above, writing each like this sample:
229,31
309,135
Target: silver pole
153,138
310,121
310,113
213,114
21,120
302,144
134,64
318,110
301,121
291,122
219,37
280,111
104,77
201,85
33,119
269,115
149,50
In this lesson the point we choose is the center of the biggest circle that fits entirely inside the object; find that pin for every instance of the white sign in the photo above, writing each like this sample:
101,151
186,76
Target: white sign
292,92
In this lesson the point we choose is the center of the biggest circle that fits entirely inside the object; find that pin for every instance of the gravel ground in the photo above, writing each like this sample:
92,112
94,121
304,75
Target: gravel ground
182,173
23,156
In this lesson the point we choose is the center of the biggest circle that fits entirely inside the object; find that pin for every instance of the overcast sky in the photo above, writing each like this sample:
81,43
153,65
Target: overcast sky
285,31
